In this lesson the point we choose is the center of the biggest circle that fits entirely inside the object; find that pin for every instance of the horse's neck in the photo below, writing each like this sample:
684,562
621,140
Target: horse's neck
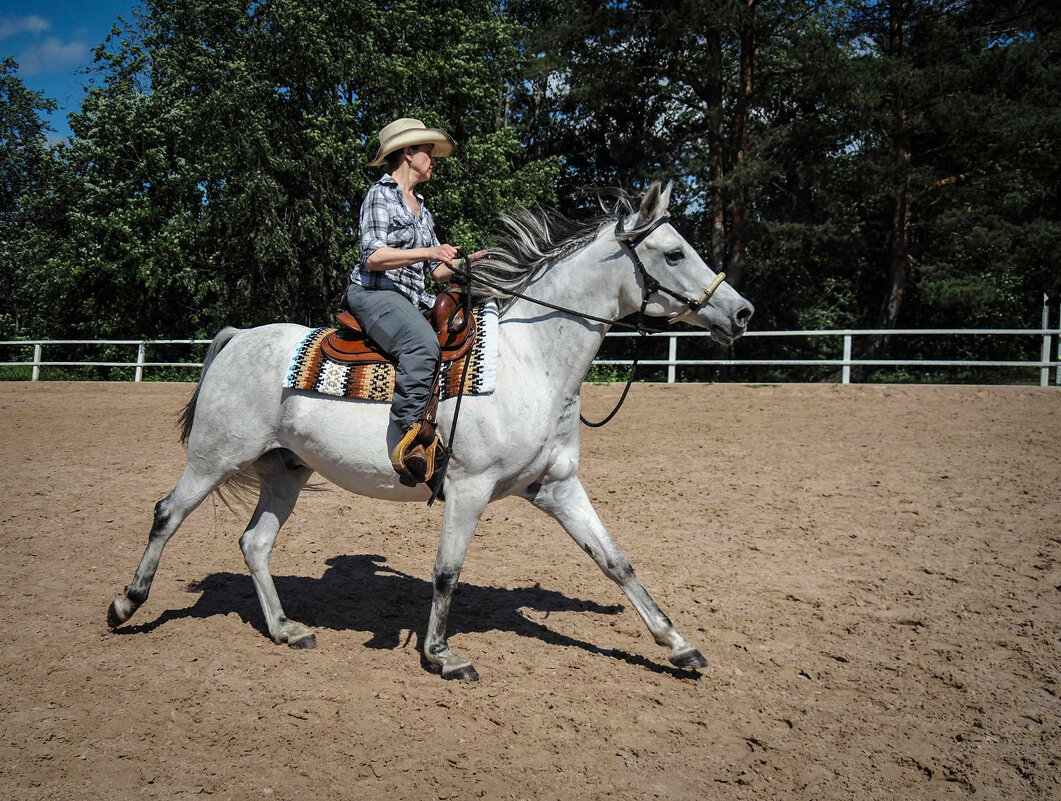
561,346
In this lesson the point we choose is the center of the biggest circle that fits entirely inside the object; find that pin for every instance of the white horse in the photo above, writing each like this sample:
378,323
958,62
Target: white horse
521,440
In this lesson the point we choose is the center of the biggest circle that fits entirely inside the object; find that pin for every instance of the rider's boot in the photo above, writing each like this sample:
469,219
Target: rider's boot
414,457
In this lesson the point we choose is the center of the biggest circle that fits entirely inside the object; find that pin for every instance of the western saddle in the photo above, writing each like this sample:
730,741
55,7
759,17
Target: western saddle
451,318
420,452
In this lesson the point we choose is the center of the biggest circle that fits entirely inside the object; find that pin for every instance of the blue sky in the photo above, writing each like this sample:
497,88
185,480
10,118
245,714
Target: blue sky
52,40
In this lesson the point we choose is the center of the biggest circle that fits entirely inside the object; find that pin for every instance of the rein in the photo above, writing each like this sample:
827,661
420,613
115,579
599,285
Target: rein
649,286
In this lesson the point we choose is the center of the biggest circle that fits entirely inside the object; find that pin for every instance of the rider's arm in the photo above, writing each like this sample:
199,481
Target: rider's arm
387,258
375,224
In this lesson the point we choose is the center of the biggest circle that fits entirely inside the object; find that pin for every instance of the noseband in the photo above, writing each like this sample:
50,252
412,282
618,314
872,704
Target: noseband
650,285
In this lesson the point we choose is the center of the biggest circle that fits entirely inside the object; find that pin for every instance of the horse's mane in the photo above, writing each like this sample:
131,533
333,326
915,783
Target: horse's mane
530,239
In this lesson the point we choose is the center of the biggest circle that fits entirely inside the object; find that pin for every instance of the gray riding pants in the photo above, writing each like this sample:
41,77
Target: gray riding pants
400,329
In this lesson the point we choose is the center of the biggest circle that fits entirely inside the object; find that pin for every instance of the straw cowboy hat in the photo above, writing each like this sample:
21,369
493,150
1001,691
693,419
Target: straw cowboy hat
407,132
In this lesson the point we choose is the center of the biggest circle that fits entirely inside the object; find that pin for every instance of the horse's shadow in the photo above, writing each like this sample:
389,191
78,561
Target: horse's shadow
362,593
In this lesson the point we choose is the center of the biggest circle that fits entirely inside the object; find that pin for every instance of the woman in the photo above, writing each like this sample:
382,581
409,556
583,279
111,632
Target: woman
386,292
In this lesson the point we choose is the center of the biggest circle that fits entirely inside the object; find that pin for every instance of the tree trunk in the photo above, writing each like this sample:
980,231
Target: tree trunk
899,257
715,140
738,207
899,244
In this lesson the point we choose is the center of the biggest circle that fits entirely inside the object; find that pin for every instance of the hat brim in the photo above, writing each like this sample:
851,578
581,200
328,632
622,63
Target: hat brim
443,142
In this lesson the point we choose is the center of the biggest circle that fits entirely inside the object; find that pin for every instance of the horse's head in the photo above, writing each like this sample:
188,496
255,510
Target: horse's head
673,281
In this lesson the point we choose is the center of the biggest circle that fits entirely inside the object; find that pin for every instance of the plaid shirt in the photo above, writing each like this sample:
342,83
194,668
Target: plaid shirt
387,222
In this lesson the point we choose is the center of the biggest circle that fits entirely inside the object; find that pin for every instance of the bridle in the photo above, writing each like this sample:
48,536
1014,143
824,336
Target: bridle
650,285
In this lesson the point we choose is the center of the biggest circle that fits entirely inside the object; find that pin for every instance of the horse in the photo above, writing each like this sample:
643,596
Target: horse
523,439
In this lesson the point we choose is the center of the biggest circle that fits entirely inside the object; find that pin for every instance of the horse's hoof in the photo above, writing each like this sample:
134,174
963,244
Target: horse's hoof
120,610
307,642
689,659
462,673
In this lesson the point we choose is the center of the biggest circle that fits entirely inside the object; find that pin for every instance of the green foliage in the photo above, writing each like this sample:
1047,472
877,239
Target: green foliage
858,164
26,169
607,374
215,173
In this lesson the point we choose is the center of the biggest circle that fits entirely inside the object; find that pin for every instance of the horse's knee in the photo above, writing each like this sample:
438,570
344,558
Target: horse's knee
445,581
621,568
615,565
161,519
255,547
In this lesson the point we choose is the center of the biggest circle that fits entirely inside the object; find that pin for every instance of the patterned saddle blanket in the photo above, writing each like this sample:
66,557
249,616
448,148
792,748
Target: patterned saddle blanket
312,370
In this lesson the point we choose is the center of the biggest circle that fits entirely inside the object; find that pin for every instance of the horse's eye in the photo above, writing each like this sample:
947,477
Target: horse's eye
675,256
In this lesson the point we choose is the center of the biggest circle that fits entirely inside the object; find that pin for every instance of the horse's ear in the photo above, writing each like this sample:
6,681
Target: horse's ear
655,202
664,198
649,202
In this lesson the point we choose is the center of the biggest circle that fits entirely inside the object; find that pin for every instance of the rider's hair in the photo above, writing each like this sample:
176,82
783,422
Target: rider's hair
393,160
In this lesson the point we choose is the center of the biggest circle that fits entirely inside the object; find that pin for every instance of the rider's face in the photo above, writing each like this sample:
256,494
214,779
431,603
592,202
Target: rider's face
423,160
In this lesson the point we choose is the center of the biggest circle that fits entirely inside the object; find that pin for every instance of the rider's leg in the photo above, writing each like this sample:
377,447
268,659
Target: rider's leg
398,327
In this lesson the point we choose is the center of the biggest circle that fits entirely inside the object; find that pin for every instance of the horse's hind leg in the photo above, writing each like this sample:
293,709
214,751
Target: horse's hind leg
568,503
170,512
280,487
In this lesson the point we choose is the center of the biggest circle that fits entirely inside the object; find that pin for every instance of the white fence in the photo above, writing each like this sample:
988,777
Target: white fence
141,362
845,362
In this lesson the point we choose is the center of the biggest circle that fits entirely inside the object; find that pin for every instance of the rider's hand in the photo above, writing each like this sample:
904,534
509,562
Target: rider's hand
442,253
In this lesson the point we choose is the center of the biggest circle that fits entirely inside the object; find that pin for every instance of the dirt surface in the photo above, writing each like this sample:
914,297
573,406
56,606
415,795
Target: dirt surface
872,572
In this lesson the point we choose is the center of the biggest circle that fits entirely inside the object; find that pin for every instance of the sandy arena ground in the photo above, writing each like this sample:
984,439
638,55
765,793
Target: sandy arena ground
872,572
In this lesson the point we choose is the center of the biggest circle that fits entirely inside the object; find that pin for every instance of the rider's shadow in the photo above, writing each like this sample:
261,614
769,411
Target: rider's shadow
362,593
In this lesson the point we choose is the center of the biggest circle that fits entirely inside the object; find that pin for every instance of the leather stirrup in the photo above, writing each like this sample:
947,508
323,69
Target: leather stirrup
414,457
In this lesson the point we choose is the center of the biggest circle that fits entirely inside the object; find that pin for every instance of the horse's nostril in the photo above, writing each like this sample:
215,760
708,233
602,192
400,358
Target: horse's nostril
744,314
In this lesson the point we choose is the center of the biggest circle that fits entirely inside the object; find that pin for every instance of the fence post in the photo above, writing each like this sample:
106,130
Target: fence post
1057,356
141,348
672,356
1044,373
36,362
847,359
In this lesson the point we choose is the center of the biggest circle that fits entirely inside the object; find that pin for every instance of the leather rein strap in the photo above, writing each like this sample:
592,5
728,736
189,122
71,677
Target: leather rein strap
465,270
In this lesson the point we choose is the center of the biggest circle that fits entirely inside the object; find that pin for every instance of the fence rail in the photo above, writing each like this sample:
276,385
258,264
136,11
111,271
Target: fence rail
1044,364
847,361
141,354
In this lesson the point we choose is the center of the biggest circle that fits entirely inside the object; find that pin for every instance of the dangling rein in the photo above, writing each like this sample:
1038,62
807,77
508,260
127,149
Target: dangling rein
649,286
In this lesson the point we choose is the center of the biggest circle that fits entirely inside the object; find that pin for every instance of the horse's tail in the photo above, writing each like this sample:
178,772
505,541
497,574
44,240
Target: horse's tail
187,417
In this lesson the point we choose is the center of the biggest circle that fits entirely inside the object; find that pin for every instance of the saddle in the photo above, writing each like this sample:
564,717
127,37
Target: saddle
451,318
420,453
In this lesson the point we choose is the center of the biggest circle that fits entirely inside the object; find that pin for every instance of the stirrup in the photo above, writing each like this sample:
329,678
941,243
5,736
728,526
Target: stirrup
413,458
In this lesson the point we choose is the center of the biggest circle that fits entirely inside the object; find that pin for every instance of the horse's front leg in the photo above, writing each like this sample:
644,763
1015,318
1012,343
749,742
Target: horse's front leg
566,500
459,520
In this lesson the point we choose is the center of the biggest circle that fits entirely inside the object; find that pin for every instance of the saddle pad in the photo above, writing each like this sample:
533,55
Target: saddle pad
312,371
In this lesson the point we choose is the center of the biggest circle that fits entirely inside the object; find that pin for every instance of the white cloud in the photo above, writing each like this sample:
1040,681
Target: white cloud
12,26
51,55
